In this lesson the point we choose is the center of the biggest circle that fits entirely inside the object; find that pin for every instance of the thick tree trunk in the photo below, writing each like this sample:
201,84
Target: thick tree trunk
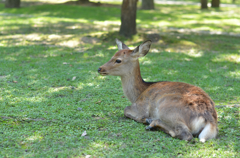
215,3
204,4
147,4
128,18
12,3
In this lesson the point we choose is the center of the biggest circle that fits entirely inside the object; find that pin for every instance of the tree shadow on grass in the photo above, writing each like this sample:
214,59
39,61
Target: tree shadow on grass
72,12
47,32
174,16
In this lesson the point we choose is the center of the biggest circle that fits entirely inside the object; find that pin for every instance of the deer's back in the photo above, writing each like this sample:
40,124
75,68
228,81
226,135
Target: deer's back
182,100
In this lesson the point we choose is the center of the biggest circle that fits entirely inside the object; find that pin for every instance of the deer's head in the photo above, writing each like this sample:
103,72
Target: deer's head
125,60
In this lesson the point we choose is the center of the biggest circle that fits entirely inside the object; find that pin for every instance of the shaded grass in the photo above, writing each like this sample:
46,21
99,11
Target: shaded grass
224,20
50,92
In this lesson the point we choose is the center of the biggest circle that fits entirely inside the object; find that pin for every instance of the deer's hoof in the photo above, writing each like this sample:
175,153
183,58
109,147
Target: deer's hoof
149,128
149,121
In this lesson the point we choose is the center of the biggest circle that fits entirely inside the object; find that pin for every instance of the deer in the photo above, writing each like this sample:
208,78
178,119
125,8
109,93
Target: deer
179,109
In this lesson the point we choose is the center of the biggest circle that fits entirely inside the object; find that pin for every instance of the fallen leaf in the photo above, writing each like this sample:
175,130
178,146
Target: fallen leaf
74,78
84,134
88,156
65,63
98,102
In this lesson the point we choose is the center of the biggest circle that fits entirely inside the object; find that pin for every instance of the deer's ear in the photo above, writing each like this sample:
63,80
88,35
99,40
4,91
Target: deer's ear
121,45
142,49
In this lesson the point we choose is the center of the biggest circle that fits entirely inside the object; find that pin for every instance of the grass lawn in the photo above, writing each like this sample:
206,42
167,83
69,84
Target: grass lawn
221,2
51,93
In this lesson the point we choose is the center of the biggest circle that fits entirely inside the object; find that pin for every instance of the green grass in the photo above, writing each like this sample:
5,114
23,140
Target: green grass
221,2
50,91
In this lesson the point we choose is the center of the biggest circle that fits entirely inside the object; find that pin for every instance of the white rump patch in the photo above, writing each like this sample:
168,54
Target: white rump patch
208,132
197,125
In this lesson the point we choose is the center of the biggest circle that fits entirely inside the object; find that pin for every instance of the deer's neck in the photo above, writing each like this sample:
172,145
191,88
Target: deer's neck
133,84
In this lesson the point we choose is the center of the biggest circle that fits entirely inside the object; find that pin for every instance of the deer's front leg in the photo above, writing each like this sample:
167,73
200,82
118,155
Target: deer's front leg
136,113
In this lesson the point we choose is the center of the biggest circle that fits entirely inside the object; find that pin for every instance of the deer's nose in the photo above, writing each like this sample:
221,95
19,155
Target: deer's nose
99,69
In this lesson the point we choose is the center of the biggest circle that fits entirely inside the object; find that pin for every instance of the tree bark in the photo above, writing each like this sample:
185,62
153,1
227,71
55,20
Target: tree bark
204,4
12,3
215,3
128,18
147,4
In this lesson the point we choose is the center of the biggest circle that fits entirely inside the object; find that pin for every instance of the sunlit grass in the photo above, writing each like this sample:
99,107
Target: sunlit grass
228,57
222,1
194,53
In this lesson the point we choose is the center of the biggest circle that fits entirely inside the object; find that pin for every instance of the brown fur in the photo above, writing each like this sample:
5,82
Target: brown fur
179,109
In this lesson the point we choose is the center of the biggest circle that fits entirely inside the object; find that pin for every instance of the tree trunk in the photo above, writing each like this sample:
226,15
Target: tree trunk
147,4
204,4
215,3
128,18
12,3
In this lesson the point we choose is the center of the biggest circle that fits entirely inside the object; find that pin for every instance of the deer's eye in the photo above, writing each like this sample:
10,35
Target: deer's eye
118,61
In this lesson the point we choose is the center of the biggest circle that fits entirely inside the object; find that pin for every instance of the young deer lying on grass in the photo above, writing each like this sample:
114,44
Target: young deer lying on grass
179,109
